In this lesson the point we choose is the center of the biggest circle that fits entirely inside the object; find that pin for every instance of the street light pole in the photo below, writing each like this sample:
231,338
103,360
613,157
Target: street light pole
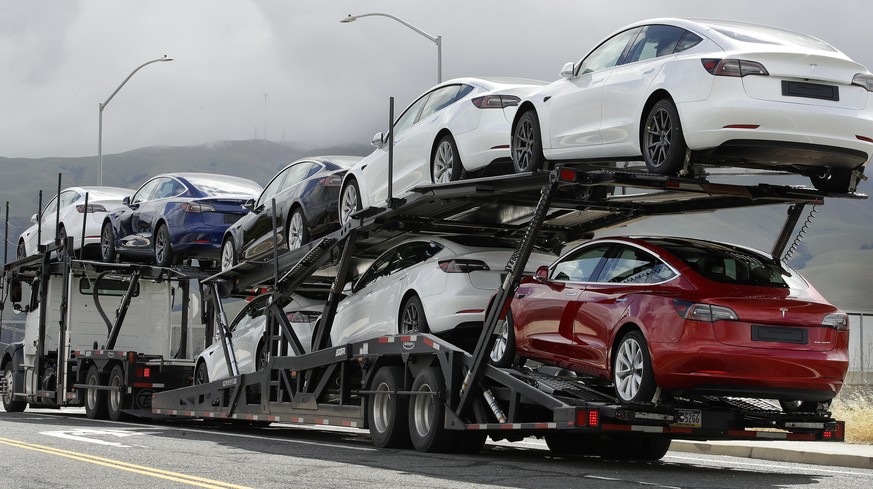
100,119
438,40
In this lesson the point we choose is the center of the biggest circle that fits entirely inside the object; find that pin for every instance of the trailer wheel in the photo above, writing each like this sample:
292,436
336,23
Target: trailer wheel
632,369
427,414
115,399
652,448
503,351
386,416
10,404
95,400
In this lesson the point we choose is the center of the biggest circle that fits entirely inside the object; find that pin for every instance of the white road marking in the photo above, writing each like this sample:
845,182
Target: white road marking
86,434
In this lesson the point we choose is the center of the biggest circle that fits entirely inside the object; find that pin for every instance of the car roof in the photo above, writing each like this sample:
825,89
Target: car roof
491,82
681,240
339,160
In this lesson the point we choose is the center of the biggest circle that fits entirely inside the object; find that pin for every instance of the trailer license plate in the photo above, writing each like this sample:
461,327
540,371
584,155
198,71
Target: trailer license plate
689,418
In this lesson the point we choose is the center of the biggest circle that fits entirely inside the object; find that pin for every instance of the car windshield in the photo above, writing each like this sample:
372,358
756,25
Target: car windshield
224,185
732,265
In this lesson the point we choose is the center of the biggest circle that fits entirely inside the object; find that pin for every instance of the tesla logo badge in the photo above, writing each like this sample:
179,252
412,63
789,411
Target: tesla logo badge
813,66
783,310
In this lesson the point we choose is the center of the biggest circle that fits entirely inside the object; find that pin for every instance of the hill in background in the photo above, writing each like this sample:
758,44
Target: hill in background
836,254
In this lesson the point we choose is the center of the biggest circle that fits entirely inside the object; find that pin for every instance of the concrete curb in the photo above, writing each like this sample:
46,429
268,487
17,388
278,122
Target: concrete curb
773,451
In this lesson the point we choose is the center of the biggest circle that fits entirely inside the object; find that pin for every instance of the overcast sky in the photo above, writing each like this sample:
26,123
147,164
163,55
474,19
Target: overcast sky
326,83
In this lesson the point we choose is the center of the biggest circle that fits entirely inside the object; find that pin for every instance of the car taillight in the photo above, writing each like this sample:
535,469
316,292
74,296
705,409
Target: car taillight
332,181
863,80
495,101
838,320
733,67
462,266
197,207
704,312
91,208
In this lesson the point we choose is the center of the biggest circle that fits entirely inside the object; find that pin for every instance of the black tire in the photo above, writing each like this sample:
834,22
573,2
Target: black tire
163,247
835,182
116,400
62,238
446,165
262,358
568,444
503,352
20,250
632,369
427,413
350,201
387,414
527,144
228,254
663,144
10,403
95,400
201,374
653,448
297,230
412,319
107,243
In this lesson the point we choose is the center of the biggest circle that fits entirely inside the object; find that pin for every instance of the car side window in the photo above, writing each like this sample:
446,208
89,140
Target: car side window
273,187
607,54
631,265
410,116
580,265
414,253
168,187
256,309
297,174
145,191
654,41
439,99
688,41
51,207
68,198
379,268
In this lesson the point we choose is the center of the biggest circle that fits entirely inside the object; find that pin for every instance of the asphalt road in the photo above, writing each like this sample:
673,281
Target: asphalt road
46,449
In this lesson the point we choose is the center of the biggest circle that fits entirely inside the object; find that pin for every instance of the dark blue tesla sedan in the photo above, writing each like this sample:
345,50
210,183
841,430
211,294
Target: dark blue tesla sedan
173,217
307,202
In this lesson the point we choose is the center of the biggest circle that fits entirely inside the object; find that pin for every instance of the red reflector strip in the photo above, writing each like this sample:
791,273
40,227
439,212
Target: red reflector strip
742,126
143,384
502,146
201,241
676,429
470,311
864,138
386,339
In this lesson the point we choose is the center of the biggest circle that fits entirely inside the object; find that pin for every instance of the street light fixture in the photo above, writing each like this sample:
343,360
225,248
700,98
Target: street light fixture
438,40
103,106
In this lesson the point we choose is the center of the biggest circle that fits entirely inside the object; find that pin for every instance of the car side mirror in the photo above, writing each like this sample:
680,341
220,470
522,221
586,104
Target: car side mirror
249,205
33,218
378,140
126,201
347,288
542,273
567,70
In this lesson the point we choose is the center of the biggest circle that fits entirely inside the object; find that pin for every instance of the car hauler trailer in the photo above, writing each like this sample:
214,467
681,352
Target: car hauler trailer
74,353
424,391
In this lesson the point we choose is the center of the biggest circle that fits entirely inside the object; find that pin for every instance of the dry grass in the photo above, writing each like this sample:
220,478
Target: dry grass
854,405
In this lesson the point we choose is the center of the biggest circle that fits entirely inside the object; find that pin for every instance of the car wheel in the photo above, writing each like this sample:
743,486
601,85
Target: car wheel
412,318
836,181
350,201
527,144
62,238
10,403
446,163
20,250
427,413
663,143
115,398
163,249
201,374
107,243
632,369
262,357
228,255
387,416
95,400
503,351
653,448
297,231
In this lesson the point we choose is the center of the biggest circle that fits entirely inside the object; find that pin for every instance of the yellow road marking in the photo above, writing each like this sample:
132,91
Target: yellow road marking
117,464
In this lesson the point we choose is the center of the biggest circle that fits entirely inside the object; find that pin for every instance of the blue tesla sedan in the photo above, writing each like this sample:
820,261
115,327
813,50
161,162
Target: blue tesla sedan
174,217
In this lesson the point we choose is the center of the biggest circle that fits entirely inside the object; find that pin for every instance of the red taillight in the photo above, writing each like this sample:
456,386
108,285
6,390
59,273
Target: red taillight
495,101
567,175
331,181
864,138
733,67
197,207
92,208
588,417
462,266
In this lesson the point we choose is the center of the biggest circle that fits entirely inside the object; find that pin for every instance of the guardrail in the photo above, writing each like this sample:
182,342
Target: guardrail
860,348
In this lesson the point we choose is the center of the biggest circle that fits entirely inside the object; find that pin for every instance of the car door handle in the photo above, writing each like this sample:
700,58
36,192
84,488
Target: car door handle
652,70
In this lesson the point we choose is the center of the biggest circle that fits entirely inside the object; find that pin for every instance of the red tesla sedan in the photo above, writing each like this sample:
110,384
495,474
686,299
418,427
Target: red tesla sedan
686,315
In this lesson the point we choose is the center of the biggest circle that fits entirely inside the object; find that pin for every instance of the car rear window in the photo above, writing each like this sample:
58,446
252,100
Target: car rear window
770,35
228,185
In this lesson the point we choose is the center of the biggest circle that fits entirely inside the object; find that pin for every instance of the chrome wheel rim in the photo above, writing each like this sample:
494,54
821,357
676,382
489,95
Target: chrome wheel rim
424,410
522,147
382,407
409,321
263,358
629,369
349,203
161,245
9,387
91,396
227,258
106,244
500,343
659,132
443,163
115,393
295,231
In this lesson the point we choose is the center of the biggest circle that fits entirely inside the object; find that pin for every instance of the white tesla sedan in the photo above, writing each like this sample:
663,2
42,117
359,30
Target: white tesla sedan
456,127
675,92
247,333
426,284
101,201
